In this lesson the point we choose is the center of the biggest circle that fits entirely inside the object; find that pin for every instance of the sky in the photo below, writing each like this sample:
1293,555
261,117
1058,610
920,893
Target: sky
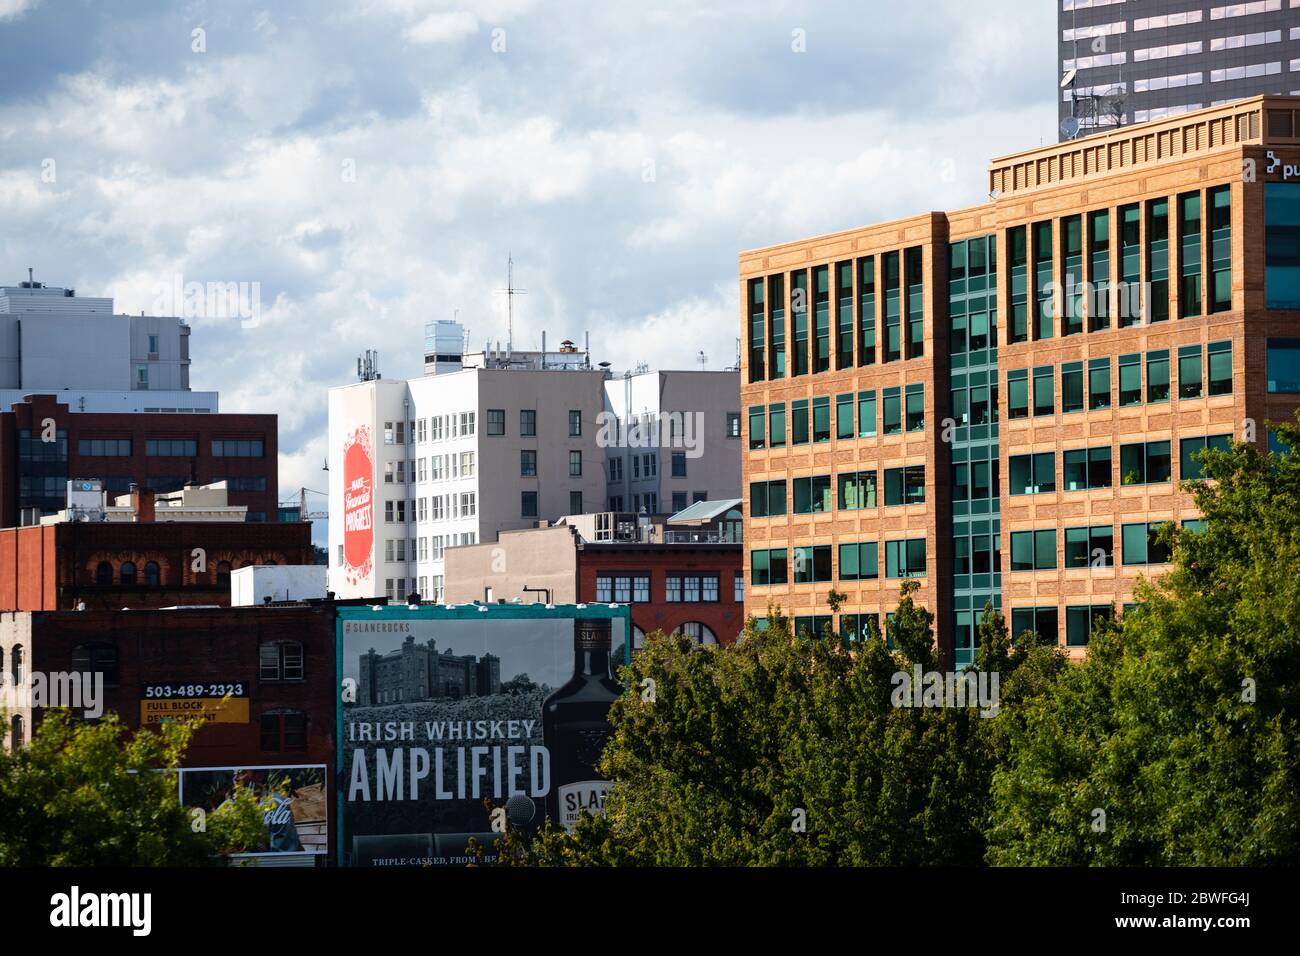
368,166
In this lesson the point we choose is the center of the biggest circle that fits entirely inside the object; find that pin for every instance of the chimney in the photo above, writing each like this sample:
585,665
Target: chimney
142,504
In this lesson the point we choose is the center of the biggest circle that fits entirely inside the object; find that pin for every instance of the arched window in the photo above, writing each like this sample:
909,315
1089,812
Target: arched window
17,731
283,730
96,658
700,633
127,574
16,665
104,574
270,564
152,576
223,572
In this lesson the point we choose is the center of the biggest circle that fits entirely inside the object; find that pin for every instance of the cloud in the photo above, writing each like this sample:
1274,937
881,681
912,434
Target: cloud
372,167
12,9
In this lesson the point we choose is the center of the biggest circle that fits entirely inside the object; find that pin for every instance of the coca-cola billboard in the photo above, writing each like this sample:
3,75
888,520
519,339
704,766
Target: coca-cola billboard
294,801
358,506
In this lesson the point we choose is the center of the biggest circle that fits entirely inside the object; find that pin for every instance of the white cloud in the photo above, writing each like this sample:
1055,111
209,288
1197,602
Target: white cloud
443,28
12,9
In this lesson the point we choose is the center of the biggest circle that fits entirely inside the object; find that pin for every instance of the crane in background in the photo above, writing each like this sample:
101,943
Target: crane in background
301,505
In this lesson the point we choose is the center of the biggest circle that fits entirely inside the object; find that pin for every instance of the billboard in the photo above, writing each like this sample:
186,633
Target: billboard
457,721
353,455
294,801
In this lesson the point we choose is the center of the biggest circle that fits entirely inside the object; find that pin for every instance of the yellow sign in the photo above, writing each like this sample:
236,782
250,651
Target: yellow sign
232,711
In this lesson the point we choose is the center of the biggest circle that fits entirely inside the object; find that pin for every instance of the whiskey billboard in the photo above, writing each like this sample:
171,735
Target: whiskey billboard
455,721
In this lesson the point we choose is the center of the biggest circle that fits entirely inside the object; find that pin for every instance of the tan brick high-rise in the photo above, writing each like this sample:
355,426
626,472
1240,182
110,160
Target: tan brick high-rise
1003,401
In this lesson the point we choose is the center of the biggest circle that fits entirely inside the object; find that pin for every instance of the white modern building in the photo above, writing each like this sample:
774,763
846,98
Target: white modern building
676,442
55,341
422,465
502,440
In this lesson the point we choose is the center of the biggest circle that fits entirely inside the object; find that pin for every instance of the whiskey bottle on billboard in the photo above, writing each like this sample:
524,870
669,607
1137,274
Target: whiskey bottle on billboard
575,726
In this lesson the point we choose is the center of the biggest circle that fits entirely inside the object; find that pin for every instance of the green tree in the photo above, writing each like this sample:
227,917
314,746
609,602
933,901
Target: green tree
1175,742
780,751
95,794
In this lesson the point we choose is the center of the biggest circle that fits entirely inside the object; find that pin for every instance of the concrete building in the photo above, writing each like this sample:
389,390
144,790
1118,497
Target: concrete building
1001,401
511,439
257,584
161,452
420,466
1124,63
679,574
52,339
675,440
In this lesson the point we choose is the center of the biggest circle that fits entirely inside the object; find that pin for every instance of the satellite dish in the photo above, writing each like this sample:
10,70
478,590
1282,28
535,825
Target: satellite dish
1068,78
1069,127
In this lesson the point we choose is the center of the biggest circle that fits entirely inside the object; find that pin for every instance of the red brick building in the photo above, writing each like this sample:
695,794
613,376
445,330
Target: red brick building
276,663
142,564
159,452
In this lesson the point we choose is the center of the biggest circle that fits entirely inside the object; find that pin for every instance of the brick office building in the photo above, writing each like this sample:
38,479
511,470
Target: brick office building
686,580
157,451
947,402
277,664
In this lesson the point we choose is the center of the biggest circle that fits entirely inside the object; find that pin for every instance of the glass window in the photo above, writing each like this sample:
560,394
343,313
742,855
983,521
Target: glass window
1282,245
575,422
528,504
821,419
1158,376
1032,474
915,408
867,311
1189,371
496,421
905,486
1044,396
866,414
527,422
1219,356
776,425
1158,258
1130,379
1189,237
1099,383
1072,387
799,422
893,412
1219,205
844,427
1284,366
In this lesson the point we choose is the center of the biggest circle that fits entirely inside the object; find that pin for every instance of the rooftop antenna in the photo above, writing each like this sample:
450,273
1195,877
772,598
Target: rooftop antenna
702,359
510,292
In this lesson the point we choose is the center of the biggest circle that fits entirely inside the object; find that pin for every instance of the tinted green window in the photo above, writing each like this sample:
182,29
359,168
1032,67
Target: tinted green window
1072,387
1130,250
799,307
1099,383
1044,398
1283,366
1017,257
756,426
1130,379
1018,394
844,315
1043,280
1158,376
1282,245
1189,372
1219,356
893,315
799,422
1099,270
915,408
1072,275
1219,202
776,424
866,414
844,416
1189,237
867,311
857,490
1158,258
893,412
821,319
776,314
915,304
757,335
821,419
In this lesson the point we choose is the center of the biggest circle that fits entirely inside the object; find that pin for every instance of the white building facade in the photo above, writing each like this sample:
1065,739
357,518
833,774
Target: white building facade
55,341
453,459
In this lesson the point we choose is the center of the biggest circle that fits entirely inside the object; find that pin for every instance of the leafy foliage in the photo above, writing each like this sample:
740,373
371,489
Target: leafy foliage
91,794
